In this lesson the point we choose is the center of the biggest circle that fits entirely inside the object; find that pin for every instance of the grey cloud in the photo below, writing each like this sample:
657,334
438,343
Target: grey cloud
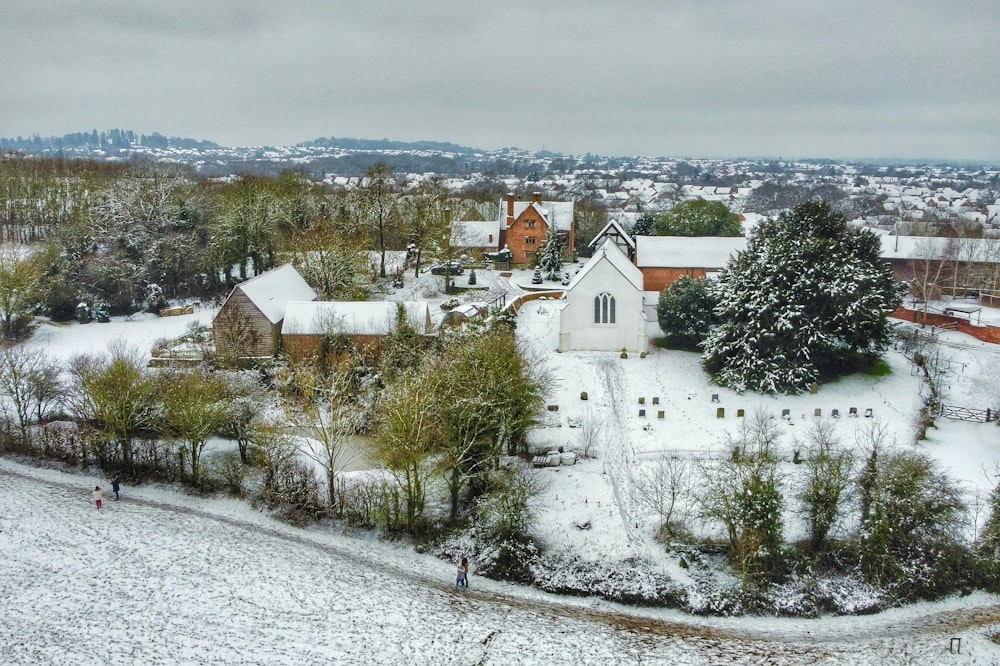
638,76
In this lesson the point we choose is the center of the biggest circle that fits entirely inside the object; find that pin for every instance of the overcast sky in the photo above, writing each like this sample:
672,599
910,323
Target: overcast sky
802,78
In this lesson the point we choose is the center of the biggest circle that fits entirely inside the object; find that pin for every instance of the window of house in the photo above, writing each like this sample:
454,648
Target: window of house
529,240
529,255
604,309
530,224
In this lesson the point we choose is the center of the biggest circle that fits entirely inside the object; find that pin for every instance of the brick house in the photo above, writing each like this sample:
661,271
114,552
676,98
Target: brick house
525,225
521,226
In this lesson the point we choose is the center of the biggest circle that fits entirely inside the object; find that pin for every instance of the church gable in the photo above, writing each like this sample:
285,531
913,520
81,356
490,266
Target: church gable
603,309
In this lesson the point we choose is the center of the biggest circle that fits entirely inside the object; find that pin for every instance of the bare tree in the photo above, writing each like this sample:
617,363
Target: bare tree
662,488
330,262
590,433
116,393
823,492
247,397
326,429
374,204
195,407
424,219
21,368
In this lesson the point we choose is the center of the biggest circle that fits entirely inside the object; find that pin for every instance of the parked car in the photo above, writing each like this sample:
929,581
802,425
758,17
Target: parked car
456,268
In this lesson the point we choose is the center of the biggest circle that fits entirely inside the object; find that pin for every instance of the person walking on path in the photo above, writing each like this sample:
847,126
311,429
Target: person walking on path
465,568
461,579
115,487
97,496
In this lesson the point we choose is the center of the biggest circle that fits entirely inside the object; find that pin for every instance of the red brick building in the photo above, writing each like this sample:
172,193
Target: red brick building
524,226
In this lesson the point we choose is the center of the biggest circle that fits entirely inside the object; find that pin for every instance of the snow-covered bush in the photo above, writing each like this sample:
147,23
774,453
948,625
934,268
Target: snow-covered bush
743,492
155,299
102,311
507,550
910,541
631,581
82,312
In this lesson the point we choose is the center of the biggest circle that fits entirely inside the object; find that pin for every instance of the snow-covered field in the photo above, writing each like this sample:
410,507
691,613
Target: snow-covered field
162,577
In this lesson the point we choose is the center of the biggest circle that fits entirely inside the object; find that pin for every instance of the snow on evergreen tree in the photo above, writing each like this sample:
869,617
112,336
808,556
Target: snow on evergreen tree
550,256
808,297
686,312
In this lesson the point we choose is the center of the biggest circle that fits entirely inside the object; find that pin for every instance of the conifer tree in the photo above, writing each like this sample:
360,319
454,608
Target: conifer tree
808,298
551,256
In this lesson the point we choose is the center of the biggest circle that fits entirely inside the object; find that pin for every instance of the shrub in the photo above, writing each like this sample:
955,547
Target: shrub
507,550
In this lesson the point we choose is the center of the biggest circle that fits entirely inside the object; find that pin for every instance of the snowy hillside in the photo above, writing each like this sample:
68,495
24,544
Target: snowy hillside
161,577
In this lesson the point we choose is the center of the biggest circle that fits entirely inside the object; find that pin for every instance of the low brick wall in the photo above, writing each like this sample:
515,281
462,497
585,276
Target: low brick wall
985,333
516,304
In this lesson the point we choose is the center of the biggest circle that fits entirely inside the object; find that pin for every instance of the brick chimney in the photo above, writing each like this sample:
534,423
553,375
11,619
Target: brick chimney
536,197
510,210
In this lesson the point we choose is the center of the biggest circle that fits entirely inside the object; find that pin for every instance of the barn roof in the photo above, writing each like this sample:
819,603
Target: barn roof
352,317
473,233
271,291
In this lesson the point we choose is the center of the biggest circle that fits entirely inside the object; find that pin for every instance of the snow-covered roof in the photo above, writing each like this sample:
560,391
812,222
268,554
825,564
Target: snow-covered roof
473,233
686,251
610,252
555,213
352,317
272,290
979,250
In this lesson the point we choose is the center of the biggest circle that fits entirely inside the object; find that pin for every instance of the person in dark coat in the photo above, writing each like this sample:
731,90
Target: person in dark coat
115,487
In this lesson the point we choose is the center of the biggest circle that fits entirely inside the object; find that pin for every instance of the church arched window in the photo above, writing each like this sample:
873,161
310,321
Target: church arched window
604,309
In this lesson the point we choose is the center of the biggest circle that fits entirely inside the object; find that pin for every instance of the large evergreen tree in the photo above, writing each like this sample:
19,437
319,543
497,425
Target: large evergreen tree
808,297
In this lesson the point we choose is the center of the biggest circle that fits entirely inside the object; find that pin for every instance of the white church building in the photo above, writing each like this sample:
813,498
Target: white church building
603,307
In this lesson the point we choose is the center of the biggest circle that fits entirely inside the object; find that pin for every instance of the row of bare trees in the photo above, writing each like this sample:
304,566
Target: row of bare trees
123,407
